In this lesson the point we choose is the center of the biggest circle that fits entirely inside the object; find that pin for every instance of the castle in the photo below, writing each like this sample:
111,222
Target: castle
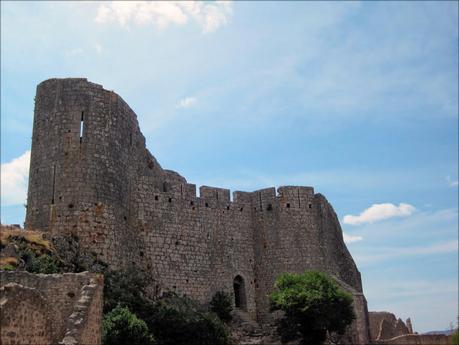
91,176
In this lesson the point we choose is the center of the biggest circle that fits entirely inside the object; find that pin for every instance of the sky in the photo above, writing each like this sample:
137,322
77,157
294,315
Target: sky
357,99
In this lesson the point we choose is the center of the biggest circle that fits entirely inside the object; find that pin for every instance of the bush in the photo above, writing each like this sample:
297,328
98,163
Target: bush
128,289
173,320
221,304
314,305
120,327
178,320
42,264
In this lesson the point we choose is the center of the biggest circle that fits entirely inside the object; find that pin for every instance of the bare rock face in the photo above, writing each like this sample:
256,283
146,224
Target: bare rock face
92,177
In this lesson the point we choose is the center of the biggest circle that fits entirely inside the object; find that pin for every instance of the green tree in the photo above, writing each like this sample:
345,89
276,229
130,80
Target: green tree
313,305
221,304
120,327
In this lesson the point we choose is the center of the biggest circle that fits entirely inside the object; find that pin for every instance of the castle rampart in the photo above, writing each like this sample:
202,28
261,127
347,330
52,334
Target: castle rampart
92,176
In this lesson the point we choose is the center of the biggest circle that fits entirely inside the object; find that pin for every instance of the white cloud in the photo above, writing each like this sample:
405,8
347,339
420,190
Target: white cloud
208,15
74,52
98,48
351,238
452,183
186,102
14,178
378,212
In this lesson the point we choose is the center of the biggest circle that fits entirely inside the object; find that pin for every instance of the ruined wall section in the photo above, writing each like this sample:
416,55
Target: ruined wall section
384,325
294,231
42,304
24,316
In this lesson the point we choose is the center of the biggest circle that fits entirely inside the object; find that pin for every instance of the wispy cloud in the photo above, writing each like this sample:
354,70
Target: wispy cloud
380,254
378,212
98,48
351,238
186,102
210,16
14,180
74,52
452,183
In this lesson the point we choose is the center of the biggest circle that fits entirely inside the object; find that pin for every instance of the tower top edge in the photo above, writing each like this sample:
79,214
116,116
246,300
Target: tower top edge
69,81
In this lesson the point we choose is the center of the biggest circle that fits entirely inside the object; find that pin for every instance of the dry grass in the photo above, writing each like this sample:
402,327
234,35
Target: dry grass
35,238
8,261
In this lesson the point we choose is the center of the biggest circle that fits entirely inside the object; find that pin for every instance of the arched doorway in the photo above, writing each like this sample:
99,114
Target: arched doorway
240,299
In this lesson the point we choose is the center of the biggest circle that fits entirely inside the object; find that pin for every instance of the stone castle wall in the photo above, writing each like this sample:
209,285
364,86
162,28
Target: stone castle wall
92,176
43,309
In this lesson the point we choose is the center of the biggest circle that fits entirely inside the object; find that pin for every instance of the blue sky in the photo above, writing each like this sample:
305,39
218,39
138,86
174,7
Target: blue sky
359,100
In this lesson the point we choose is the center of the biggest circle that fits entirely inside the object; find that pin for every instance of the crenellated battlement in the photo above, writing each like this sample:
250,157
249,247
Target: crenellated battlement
92,176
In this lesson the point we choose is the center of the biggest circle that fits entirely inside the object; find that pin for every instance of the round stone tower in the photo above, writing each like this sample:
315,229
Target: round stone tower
83,155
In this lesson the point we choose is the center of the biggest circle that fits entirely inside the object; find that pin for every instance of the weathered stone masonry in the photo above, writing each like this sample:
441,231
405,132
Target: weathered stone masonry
41,309
92,176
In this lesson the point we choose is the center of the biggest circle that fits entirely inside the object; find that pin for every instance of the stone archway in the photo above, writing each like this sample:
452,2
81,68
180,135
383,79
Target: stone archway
240,298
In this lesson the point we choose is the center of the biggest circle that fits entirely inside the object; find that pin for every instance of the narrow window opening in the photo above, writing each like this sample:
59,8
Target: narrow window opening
288,205
310,205
81,126
170,199
54,184
165,187
191,203
270,207
207,205
241,209
156,198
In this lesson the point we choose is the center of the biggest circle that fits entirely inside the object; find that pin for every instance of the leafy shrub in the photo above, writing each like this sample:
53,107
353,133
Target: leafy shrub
42,264
221,304
120,327
178,321
173,320
128,289
314,305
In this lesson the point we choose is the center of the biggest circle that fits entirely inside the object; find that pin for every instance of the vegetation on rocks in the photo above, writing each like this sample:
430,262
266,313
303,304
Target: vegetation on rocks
29,251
